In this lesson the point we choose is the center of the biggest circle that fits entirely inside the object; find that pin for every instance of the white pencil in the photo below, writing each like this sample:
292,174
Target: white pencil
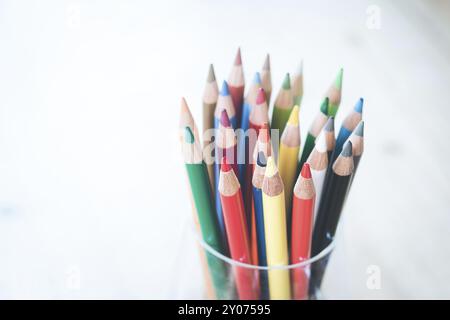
318,162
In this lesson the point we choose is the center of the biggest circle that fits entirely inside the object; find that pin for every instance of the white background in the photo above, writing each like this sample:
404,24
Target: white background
93,200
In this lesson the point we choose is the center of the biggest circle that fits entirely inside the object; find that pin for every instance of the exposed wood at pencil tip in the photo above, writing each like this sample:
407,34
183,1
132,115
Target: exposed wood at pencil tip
285,99
211,90
226,138
254,88
304,188
258,176
343,166
329,134
291,136
297,83
259,113
192,153
319,121
354,117
318,159
357,140
272,183
228,183
236,77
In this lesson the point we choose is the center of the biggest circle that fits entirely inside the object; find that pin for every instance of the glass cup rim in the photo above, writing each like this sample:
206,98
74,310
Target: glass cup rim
325,252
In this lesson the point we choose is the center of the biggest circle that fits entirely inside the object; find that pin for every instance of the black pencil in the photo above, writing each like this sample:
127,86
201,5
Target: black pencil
337,184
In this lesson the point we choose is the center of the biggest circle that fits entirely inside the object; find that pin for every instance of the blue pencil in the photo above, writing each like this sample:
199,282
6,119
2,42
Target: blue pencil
258,177
249,103
224,102
348,125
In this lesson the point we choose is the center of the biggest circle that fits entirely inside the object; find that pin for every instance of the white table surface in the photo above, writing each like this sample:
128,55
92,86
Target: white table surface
93,202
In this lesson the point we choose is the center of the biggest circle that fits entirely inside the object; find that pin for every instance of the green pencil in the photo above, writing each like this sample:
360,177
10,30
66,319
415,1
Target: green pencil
283,106
317,125
334,94
201,193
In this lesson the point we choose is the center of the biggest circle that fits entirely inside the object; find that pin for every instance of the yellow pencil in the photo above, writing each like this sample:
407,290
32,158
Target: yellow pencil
288,158
275,232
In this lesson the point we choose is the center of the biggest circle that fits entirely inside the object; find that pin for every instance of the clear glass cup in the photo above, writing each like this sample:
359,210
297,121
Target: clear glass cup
224,278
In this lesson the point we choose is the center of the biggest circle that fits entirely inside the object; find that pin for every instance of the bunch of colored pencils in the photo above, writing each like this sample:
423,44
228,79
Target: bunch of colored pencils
263,208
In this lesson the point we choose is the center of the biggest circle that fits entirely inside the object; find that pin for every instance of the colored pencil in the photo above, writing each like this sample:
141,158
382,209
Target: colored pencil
288,159
210,95
225,146
348,125
258,118
224,102
258,177
250,100
266,78
283,106
243,149
357,140
334,94
275,231
201,193
236,85
318,162
333,197
226,142
330,138
259,115
186,120
238,239
297,85
263,143
302,224
317,125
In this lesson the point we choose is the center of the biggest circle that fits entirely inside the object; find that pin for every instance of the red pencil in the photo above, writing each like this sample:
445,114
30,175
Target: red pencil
236,85
226,141
259,117
302,223
237,232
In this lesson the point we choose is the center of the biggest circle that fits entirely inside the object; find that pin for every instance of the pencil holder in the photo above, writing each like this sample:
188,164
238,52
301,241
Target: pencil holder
226,279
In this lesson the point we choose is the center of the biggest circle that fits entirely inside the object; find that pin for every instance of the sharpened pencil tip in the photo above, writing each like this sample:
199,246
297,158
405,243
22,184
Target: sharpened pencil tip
347,149
260,96
329,126
338,80
211,74
359,130
306,171
293,117
188,136
261,159
224,119
324,106
271,167
238,59
264,134
266,65
224,90
225,166
287,82
359,105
